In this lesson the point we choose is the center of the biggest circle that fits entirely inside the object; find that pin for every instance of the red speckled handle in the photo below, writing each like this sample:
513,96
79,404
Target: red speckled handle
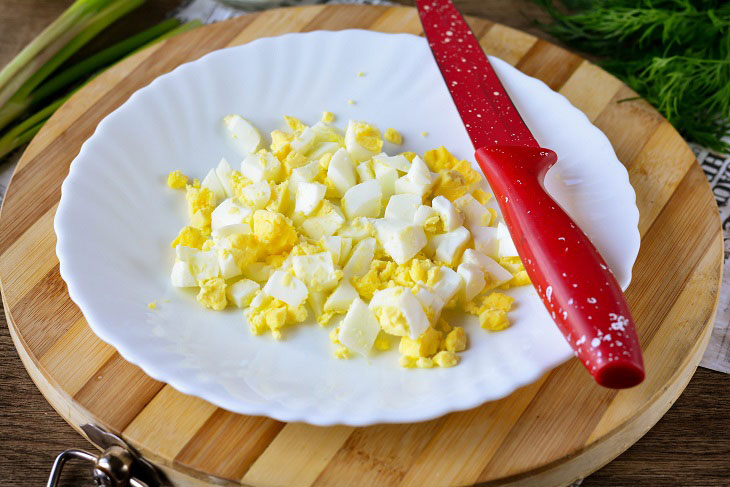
573,281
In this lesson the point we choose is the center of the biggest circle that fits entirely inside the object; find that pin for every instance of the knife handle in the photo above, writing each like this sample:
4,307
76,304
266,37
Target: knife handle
573,281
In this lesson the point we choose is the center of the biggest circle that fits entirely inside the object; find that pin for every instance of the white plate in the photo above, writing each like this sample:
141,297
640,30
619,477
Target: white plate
116,219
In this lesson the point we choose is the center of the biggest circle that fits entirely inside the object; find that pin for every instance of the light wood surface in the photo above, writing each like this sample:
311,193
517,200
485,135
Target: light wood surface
548,433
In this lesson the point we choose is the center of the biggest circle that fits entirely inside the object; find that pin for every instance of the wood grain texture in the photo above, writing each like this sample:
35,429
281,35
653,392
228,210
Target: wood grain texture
556,430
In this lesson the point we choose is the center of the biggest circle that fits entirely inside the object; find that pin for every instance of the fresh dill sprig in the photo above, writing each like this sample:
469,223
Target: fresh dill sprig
674,53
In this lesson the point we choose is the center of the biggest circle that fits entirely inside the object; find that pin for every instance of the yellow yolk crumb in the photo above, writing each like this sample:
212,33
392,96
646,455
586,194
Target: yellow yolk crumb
424,363
407,362
456,340
201,202
451,185
492,217
328,117
425,346
512,264
441,159
381,342
213,293
409,155
350,102
424,134
342,352
492,312
280,198
274,230
189,237
279,140
393,136
481,196
520,279
177,180
272,314
292,160
360,74
294,123
152,305
445,359
368,136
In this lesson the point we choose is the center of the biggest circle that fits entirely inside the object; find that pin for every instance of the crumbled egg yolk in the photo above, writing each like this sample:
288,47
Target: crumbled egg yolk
213,293
273,235
177,180
152,305
189,237
393,136
368,136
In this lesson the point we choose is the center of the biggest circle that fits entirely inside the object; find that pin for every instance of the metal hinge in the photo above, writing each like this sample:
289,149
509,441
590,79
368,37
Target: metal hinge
118,465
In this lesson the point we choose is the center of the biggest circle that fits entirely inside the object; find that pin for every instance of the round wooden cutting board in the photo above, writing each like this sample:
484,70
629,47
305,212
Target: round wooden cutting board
560,428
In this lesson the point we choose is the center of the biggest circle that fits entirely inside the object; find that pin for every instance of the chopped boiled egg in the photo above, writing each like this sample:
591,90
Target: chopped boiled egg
402,207
359,329
363,200
362,140
401,240
309,195
244,135
341,171
321,218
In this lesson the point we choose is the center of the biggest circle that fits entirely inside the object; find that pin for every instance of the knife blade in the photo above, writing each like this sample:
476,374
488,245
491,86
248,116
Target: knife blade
571,278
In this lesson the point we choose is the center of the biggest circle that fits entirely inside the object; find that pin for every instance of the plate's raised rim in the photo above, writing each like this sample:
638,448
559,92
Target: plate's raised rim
274,410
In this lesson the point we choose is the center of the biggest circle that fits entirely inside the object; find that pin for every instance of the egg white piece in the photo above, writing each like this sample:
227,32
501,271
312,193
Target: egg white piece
448,284
399,162
402,299
309,195
244,135
402,207
323,148
359,329
363,200
182,275
359,262
303,174
357,151
422,214
324,222
475,214
365,171
228,267
212,182
498,275
257,195
224,171
506,245
474,281
386,176
260,166
304,142
204,265
485,240
341,171
316,271
286,288
242,292
449,214
229,212
418,181
446,247
430,300
341,298
401,240
358,228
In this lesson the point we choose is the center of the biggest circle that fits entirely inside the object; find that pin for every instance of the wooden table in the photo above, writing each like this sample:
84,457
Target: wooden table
689,446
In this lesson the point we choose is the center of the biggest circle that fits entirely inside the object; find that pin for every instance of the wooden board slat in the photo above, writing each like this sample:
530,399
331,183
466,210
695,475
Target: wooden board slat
548,433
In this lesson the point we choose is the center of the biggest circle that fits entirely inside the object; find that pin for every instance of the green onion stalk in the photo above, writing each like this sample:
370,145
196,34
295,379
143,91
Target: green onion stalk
32,78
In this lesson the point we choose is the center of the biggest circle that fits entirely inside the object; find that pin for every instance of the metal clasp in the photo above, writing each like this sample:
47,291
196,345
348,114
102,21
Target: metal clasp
118,465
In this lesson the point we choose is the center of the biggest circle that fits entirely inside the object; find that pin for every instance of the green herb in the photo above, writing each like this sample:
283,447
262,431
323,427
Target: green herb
674,53
33,76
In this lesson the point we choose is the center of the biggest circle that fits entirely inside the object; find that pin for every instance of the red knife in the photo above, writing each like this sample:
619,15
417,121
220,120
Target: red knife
576,286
